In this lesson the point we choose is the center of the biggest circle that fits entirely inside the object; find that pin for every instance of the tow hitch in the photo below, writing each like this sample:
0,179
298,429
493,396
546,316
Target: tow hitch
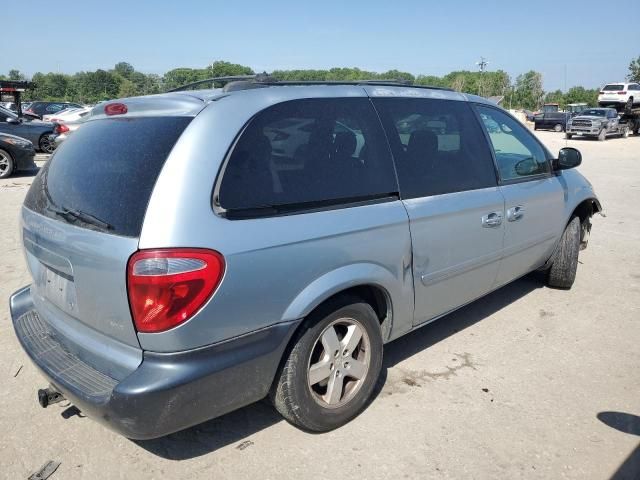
48,396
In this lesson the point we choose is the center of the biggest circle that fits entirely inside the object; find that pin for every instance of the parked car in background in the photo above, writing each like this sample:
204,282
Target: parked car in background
576,108
16,154
68,122
71,114
597,122
168,290
551,121
36,131
550,108
40,109
621,96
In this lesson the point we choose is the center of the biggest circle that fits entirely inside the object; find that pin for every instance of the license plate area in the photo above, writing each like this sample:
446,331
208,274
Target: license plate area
52,277
57,288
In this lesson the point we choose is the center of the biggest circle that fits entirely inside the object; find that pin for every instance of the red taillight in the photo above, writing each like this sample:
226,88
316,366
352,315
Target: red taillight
621,93
61,128
602,93
167,287
115,109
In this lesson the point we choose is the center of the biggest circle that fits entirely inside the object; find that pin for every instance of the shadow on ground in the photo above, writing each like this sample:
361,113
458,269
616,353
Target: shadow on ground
25,173
630,424
238,426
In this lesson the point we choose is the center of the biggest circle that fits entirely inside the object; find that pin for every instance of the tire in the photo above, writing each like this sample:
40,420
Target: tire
313,407
602,136
6,164
535,127
625,132
46,145
562,272
629,105
558,128
568,136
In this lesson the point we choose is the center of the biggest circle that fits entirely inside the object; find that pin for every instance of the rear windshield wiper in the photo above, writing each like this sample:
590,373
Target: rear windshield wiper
84,217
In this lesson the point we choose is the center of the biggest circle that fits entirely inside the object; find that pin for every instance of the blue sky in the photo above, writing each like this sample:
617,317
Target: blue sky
421,37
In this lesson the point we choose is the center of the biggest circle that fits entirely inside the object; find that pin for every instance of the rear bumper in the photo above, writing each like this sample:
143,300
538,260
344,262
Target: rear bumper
168,391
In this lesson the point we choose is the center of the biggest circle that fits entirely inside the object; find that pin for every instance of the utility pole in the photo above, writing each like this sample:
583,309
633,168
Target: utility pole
483,65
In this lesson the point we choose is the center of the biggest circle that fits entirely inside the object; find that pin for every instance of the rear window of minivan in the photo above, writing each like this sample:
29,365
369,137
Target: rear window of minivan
102,177
613,88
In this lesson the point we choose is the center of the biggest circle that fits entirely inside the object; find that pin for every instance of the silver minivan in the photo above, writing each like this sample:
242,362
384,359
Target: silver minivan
196,251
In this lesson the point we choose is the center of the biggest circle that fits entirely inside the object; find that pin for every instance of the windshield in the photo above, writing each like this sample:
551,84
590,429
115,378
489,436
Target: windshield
594,112
610,88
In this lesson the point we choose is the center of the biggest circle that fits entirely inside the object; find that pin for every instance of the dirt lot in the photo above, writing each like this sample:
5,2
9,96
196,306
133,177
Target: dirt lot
528,382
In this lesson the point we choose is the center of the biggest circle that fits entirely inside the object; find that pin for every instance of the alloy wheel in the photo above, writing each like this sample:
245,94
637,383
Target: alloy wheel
339,363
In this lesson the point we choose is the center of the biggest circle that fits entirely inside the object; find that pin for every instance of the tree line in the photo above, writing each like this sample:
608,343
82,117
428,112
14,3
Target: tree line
123,80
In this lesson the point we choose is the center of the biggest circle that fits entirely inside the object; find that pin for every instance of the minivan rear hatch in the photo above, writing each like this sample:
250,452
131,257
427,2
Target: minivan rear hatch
83,215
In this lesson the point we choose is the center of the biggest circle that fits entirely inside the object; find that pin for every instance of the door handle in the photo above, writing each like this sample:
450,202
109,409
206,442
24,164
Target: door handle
515,213
491,220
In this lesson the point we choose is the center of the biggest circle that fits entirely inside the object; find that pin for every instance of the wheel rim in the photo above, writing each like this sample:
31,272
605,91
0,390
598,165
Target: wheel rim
558,128
46,145
4,164
339,363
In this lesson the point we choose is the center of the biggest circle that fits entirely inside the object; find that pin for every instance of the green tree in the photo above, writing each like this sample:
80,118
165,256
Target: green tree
124,69
16,75
634,70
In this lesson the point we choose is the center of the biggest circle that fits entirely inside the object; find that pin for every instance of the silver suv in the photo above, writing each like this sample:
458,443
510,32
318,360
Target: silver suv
196,251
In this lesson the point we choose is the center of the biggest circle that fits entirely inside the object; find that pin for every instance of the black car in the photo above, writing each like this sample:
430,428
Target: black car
45,108
551,121
15,154
36,131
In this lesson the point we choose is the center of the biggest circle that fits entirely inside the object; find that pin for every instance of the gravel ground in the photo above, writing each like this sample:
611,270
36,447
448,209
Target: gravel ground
528,382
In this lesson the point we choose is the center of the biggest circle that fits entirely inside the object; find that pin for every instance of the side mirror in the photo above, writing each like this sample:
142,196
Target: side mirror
527,166
567,158
13,121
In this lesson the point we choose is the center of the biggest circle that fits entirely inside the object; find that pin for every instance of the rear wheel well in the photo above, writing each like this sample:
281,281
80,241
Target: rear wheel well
376,296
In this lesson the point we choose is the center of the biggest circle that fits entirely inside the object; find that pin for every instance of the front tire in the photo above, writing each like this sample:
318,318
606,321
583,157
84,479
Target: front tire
558,128
562,272
568,136
625,132
332,369
602,136
6,164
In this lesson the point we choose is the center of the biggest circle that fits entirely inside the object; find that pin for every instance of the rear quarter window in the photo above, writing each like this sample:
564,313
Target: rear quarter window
107,169
305,154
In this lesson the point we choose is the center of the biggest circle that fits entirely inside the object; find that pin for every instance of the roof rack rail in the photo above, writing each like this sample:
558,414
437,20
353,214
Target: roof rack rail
243,82
381,82
229,78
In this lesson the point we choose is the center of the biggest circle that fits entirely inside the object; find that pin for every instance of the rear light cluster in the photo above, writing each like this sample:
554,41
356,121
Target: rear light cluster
167,287
115,109
60,128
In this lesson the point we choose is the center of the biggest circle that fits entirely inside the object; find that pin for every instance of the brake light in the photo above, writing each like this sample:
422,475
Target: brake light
60,128
621,93
602,93
167,287
115,109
